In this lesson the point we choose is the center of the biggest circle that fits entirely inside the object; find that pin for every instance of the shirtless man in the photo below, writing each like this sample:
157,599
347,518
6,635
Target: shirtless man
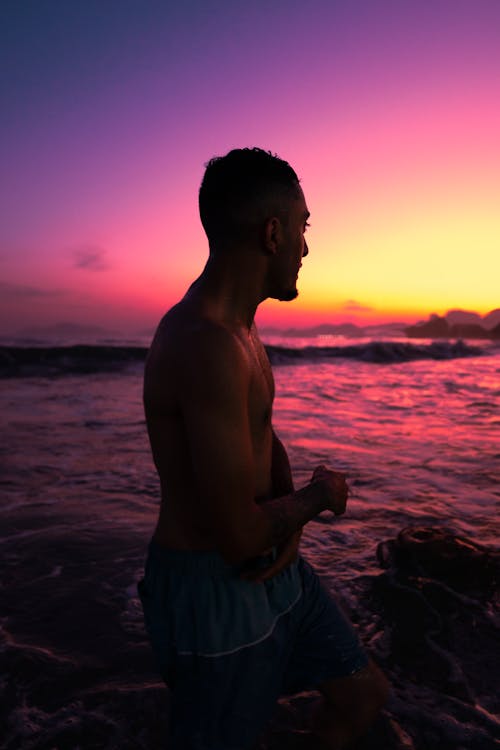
236,617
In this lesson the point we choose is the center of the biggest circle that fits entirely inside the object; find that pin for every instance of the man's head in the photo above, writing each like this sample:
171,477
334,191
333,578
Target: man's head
251,196
242,188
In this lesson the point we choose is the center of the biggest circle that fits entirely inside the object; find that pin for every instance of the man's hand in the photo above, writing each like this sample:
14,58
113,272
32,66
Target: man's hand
336,488
287,554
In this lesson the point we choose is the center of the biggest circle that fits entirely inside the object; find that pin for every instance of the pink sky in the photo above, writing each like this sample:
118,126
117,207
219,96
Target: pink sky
389,112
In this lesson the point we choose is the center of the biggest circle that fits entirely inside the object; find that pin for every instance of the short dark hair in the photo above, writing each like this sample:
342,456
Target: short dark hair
234,185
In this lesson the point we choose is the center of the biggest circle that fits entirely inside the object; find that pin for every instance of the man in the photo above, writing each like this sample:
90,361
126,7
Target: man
235,616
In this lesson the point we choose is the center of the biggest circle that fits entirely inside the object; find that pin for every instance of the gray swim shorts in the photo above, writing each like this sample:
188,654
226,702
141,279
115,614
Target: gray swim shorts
228,648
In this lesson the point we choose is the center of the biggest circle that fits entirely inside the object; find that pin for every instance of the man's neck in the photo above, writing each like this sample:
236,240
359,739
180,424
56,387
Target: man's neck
231,291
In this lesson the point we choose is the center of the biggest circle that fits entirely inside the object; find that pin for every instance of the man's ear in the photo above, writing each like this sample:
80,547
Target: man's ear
272,235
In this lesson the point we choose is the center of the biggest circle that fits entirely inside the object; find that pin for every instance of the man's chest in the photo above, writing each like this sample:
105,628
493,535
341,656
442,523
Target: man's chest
261,389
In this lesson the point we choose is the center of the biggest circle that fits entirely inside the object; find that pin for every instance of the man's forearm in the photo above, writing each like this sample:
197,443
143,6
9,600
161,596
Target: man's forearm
286,515
274,520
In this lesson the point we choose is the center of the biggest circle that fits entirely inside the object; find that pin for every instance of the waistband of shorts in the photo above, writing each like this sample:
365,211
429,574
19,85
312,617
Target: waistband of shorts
203,561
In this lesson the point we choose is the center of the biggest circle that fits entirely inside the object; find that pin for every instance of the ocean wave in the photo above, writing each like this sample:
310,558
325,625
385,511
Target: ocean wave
377,352
20,361
36,361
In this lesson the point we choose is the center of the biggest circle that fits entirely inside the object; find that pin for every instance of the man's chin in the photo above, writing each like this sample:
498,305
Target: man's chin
287,295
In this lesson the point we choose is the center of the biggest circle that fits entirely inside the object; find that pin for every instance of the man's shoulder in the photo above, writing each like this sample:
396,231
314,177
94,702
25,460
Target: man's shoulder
188,339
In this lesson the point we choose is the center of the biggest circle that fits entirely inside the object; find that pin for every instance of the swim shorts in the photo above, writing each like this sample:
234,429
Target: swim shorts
228,648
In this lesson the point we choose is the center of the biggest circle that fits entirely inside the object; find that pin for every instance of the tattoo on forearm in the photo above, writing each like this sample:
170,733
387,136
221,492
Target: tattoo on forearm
290,513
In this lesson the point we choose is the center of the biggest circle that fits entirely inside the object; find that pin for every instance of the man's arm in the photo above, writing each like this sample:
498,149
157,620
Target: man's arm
214,386
282,484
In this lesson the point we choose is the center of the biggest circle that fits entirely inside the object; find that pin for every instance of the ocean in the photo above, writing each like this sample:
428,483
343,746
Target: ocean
414,561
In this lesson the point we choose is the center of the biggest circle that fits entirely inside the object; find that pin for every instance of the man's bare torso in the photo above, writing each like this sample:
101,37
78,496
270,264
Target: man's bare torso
186,336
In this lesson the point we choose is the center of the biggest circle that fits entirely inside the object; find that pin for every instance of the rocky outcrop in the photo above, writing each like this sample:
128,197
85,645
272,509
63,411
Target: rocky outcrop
439,328
430,620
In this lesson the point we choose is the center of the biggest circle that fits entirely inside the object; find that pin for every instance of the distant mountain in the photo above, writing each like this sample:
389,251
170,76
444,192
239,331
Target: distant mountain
63,327
456,324
434,328
492,320
66,330
324,329
386,329
495,332
463,317
466,317
147,332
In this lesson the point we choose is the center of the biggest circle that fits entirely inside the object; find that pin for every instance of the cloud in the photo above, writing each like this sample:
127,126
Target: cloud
21,291
352,305
90,258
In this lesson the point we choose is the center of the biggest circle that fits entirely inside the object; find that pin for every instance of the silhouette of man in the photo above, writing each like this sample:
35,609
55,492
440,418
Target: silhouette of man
235,616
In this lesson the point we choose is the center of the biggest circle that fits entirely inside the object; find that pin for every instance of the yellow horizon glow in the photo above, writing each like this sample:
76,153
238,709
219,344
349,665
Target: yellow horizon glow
422,250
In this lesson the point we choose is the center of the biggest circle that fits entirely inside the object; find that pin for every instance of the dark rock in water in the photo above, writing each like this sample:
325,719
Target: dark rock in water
429,621
436,552
438,602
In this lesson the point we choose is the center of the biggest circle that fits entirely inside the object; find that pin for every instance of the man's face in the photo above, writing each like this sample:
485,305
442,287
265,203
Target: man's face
288,259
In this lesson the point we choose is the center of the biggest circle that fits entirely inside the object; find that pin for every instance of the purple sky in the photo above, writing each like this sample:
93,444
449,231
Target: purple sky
390,112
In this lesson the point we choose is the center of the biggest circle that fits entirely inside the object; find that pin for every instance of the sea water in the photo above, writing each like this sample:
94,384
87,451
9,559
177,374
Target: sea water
415,427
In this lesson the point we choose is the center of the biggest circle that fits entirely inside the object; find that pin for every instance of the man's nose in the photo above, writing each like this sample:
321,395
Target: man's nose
306,250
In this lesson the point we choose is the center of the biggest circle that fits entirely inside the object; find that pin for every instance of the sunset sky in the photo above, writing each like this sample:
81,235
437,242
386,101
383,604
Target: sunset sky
388,111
